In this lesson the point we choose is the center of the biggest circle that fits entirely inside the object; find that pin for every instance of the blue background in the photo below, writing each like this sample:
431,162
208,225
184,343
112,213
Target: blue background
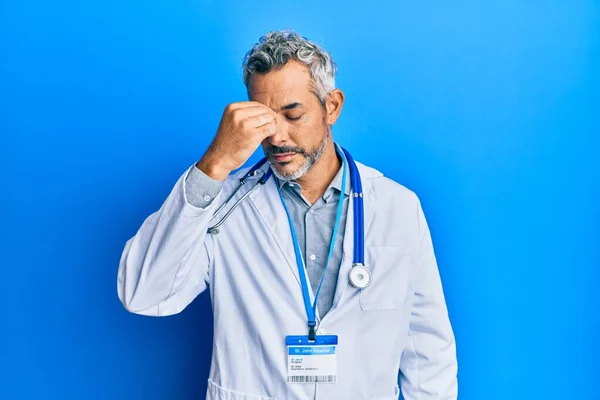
488,110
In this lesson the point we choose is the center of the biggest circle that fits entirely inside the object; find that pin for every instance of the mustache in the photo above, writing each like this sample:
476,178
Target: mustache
273,150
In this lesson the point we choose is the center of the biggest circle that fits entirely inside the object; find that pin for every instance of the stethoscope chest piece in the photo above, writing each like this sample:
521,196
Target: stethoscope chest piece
360,276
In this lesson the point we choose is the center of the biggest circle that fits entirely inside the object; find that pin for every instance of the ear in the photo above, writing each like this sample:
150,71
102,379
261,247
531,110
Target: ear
333,106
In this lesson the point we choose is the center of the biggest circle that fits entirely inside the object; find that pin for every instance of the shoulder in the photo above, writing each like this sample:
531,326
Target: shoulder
376,184
391,208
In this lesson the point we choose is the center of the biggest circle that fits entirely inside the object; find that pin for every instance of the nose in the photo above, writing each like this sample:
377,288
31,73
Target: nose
281,136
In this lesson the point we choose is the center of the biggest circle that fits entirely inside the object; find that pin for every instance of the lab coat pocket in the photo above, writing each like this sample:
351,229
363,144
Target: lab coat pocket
389,267
394,397
216,392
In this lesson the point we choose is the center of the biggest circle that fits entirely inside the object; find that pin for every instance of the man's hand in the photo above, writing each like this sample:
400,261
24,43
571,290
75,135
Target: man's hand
243,127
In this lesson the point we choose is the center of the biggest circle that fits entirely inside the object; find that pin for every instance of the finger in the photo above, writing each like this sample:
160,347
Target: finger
267,130
246,104
250,112
260,120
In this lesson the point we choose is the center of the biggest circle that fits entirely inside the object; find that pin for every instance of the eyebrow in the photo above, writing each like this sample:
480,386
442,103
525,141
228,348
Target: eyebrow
290,106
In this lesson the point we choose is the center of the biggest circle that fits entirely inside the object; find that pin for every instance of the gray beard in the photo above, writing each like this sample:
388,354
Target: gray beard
310,158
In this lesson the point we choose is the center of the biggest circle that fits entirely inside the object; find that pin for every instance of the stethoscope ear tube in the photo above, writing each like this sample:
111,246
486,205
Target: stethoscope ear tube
360,276
252,172
357,199
215,228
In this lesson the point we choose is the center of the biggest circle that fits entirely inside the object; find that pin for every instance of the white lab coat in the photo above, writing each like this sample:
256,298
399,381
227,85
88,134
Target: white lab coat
399,323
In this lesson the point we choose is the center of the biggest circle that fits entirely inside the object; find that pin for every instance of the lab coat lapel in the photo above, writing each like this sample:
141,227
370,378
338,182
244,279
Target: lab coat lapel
347,255
268,204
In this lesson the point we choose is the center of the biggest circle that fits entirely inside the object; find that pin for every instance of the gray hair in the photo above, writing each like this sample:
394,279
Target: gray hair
275,49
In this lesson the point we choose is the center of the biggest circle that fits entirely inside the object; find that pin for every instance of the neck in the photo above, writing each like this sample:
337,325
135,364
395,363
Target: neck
316,181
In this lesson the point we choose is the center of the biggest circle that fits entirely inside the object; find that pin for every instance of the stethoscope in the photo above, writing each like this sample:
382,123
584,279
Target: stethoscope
360,276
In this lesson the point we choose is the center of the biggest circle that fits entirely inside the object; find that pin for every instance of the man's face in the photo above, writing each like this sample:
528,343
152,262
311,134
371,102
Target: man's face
302,132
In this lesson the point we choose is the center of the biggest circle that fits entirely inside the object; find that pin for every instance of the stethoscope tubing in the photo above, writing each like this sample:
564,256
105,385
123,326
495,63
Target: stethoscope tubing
358,218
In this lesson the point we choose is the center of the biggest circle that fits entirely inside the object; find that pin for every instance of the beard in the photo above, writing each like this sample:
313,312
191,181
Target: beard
310,157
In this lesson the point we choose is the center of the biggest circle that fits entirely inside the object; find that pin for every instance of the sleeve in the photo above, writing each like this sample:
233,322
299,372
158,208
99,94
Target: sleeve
428,368
166,264
200,188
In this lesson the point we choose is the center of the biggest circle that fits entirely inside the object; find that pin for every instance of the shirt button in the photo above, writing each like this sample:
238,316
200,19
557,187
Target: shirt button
321,332
206,197
313,257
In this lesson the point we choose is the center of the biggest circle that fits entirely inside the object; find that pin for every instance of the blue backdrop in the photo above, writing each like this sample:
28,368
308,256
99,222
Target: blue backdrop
490,112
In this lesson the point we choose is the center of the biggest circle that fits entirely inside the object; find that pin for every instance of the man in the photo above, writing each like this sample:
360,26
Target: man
291,239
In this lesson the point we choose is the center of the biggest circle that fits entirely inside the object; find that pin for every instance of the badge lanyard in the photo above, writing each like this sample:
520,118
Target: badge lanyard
311,309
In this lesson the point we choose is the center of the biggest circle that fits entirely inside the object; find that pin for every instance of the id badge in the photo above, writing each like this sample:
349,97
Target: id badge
312,361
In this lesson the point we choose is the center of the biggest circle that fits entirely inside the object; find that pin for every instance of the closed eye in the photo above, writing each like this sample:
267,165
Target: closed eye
293,119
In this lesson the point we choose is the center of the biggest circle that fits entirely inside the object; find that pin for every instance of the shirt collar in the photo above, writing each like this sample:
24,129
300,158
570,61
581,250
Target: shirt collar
334,187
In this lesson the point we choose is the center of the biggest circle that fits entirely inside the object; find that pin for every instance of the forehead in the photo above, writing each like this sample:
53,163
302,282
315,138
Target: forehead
291,83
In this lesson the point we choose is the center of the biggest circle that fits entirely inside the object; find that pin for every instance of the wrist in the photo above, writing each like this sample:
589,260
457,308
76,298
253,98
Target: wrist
212,169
